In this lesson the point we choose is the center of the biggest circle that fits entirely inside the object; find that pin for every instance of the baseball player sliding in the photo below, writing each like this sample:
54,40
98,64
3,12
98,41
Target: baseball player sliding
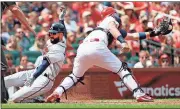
40,80
94,51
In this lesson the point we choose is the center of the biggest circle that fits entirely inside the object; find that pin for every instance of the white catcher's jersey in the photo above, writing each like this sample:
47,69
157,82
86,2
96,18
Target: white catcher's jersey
55,56
101,34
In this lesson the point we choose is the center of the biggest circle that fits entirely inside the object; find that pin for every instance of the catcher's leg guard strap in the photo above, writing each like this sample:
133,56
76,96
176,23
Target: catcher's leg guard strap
123,67
64,91
136,89
126,76
80,79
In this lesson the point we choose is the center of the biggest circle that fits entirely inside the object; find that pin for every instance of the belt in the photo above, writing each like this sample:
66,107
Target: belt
46,75
94,40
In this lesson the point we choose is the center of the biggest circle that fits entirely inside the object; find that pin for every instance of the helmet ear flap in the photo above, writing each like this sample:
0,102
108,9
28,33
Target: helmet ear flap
61,35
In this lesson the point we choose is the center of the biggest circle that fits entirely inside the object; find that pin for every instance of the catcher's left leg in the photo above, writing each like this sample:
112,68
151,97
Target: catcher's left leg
129,80
110,62
40,86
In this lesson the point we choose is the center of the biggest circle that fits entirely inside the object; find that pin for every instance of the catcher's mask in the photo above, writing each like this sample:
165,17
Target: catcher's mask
56,30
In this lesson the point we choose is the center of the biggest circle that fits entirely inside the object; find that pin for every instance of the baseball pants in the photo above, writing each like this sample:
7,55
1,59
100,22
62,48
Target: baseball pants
96,53
40,86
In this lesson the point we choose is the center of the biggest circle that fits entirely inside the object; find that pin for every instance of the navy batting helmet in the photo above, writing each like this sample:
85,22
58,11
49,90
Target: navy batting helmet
57,28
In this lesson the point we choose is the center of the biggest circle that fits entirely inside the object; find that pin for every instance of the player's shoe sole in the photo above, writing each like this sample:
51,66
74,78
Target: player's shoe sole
145,98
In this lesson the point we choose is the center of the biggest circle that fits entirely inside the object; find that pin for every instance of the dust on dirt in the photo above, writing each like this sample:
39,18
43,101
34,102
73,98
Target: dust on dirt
124,101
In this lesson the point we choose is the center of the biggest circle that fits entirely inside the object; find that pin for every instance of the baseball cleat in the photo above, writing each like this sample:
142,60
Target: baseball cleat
145,98
54,97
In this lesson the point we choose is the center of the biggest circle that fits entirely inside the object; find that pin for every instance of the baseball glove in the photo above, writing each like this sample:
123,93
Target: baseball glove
166,26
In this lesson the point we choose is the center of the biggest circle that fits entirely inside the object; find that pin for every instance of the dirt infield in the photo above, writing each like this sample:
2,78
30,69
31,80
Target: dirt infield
127,101
81,99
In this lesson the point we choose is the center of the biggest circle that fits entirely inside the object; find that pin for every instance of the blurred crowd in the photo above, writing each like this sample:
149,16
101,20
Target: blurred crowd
80,19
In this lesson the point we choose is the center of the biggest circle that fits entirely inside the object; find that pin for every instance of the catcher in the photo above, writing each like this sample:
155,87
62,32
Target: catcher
98,54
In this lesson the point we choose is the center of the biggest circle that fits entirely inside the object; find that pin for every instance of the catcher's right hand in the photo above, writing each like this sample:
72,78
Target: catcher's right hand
125,48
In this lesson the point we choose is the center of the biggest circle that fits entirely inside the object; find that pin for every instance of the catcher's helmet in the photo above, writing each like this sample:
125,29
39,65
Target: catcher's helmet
57,28
107,11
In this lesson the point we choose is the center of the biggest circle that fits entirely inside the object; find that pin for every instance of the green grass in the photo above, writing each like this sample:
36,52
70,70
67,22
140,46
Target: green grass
48,105
126,103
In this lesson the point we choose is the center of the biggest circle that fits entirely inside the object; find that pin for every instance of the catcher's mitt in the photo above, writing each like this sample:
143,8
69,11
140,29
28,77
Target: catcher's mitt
166,26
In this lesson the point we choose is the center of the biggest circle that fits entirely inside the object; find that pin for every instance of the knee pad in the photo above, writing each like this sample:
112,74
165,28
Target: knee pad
75,80
124,71
127,77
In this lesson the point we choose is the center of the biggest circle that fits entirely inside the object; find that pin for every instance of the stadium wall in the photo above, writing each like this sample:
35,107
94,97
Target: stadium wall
103,84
